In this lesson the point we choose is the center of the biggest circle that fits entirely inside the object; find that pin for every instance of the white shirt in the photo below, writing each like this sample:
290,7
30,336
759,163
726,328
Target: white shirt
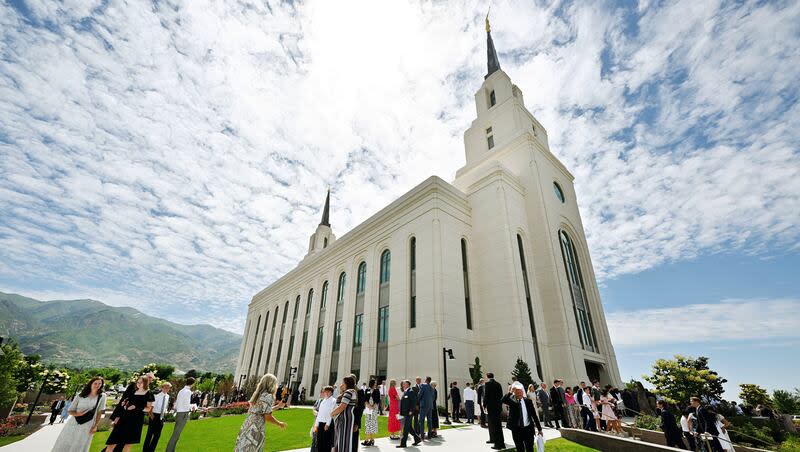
684,423
161,403
469,394
383,390
183,401
325,407
587,400
524,409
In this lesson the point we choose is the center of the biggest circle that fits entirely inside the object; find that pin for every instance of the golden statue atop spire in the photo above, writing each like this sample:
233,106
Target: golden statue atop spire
488,27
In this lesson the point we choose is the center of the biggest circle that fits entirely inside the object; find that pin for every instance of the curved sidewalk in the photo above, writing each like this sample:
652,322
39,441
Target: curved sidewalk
41,440
469,437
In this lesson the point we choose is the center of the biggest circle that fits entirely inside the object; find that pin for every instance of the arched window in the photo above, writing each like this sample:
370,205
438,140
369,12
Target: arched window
324,296
386,262
412,289
578,293
325,242
362,278
559,192
296,308
340,294
465,273
253,353
529,304
309,301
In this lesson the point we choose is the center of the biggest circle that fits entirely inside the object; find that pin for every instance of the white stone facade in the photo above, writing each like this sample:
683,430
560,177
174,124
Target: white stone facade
504,207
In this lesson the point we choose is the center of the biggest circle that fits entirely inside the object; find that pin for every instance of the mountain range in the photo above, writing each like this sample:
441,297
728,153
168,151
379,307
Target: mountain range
88,333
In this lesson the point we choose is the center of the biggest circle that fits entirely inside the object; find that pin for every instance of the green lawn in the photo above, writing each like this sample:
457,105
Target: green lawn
561,445
219,434
5,440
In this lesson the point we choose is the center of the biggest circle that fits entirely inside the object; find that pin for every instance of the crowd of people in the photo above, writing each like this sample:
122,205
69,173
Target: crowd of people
343,410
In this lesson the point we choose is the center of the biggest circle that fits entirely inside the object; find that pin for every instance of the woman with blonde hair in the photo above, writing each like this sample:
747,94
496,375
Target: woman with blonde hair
394,409
252,436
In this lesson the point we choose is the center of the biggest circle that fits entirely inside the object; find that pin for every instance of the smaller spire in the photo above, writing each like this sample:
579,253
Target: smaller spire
326,211
492,63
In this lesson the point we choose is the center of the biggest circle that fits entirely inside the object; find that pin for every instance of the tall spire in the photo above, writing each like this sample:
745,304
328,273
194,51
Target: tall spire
326,211
493,64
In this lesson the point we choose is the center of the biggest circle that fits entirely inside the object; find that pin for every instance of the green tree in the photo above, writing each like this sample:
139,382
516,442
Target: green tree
27,373
522,373
164,371
680,378
191,373
786,402
11,359
475,372
754,395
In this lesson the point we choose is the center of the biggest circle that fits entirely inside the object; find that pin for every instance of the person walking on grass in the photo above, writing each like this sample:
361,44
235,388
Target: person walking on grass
183,407
128,430
156,418
252,435
85,412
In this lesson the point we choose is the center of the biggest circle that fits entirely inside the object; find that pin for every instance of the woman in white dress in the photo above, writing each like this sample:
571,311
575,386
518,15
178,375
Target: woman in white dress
724,437
85,412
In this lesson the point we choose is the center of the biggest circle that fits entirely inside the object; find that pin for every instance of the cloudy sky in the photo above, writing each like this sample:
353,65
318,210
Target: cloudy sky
173,156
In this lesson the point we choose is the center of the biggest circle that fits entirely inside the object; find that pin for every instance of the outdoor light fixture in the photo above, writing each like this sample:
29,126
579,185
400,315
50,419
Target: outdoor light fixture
447,353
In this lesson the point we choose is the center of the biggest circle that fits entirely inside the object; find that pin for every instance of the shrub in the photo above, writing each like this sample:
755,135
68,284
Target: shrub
745,431
195,415
792,444
646,422
9,425
169,417
215,412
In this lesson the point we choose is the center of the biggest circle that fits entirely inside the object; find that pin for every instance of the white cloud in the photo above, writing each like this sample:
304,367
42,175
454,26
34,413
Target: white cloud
176,155
730,320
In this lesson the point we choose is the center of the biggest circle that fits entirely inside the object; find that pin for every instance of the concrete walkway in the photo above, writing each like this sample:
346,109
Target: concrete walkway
467,438
41,440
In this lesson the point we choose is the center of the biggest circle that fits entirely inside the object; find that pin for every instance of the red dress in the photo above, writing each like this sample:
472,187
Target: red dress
394,410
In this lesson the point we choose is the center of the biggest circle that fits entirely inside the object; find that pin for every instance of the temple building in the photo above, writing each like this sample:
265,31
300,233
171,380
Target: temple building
494,265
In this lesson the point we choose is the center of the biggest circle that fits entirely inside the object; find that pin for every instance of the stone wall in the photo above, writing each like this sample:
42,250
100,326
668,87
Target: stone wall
601,441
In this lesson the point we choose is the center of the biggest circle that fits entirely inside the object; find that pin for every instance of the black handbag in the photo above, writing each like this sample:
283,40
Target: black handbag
86,417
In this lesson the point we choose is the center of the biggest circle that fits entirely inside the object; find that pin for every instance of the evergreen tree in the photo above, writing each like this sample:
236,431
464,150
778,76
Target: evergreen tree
475,371
522,373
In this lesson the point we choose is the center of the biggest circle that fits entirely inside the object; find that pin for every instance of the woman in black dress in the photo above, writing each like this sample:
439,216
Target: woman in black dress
128,430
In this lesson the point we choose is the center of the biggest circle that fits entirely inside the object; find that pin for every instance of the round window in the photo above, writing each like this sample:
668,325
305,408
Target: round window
559,192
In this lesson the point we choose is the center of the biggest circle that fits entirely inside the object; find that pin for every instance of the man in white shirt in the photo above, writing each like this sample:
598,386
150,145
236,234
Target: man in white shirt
469,403
382,389
156,421
324,422
183,406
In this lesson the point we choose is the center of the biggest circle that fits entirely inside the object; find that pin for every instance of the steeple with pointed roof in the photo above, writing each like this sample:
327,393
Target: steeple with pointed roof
492,63
326,211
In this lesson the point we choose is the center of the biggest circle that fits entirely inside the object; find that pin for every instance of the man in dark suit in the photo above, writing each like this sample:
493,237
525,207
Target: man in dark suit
415,389
672,433
55,408
408,404
480,402
707,423
425,408
521,418
544,401
455,399
557,402
492,400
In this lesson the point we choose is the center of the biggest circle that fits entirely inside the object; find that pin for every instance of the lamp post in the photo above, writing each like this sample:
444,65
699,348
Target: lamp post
447,353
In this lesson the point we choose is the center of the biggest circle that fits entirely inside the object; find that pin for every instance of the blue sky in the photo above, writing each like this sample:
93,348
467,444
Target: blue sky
173,156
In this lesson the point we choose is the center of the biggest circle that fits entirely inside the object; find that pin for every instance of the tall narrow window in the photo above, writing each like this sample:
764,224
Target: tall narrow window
325,242
559,192
357,330
492,99
489,138
386,261
465,273
320,332
340,294
280,338
309,301
578,292
324,296
362,278
272,336
261,347
529,304
253,352
337,335
412,289
383,324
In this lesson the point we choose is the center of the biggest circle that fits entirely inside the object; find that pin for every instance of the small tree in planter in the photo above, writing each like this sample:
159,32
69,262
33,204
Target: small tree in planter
475,371
522,373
